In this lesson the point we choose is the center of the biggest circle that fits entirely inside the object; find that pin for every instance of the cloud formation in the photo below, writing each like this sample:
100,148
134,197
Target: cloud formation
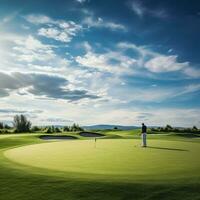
42,85
81,1
15,111
59,30
30,49
141,10
70,72
112,62
118,62
91,21
165,64
156,62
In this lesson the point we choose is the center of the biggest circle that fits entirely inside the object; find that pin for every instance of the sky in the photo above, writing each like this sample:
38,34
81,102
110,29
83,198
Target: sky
100,62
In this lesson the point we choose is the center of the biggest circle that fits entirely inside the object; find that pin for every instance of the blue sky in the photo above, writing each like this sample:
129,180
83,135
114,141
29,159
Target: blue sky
100,62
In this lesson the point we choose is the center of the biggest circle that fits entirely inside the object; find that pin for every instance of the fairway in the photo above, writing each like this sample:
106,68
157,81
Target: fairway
111,159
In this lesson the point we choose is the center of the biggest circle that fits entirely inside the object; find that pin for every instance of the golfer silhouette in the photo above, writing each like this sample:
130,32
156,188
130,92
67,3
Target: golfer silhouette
144,135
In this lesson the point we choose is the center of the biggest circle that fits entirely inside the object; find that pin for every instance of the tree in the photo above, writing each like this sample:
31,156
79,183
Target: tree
52,129
66,128
48,130
21,124
76,127
57,130
194,128
35,128
168,128
1,125
6,126
155,129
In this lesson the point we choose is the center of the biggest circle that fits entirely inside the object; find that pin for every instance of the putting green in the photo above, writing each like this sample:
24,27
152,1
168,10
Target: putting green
119,158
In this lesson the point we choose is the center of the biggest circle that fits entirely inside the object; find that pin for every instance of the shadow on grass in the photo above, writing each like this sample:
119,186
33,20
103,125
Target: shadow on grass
165,148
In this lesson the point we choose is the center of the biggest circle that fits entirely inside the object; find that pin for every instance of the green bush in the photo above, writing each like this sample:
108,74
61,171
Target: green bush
66,128
35,128
49,130
57,130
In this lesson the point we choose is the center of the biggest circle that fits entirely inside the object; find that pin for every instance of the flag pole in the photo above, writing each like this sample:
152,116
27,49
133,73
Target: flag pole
95,141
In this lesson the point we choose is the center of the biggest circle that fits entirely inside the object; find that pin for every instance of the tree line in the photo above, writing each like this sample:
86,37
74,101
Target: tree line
169,128
22,125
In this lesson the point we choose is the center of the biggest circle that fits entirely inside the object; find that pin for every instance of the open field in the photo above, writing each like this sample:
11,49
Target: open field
115,168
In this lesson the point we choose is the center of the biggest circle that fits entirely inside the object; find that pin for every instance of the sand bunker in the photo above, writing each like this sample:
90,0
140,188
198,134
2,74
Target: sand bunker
90,134
57,137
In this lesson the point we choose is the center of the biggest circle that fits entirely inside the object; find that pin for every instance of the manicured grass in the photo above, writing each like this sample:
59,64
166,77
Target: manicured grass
121,159
115,169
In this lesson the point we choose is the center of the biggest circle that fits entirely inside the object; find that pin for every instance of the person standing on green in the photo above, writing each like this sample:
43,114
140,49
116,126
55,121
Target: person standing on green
144,135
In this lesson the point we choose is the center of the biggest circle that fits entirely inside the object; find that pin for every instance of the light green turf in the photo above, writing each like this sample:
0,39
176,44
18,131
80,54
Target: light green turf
119,160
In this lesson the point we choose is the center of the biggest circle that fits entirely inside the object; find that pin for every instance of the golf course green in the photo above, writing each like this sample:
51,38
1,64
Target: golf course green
110,168
122,158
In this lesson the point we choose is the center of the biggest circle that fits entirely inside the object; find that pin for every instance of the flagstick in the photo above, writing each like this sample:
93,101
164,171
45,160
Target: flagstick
95,140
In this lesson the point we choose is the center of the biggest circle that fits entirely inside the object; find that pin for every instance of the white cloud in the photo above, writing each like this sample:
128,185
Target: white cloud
30,49
91,21
118,63
55,34
156,62
141,49
137,8
28,54
86,46
190,88
141,10
81,1
192,72
64,33
32,43
113,62
59,30
39,19
165,64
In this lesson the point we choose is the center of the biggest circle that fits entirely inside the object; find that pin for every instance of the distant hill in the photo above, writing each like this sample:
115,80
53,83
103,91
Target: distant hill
108,126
